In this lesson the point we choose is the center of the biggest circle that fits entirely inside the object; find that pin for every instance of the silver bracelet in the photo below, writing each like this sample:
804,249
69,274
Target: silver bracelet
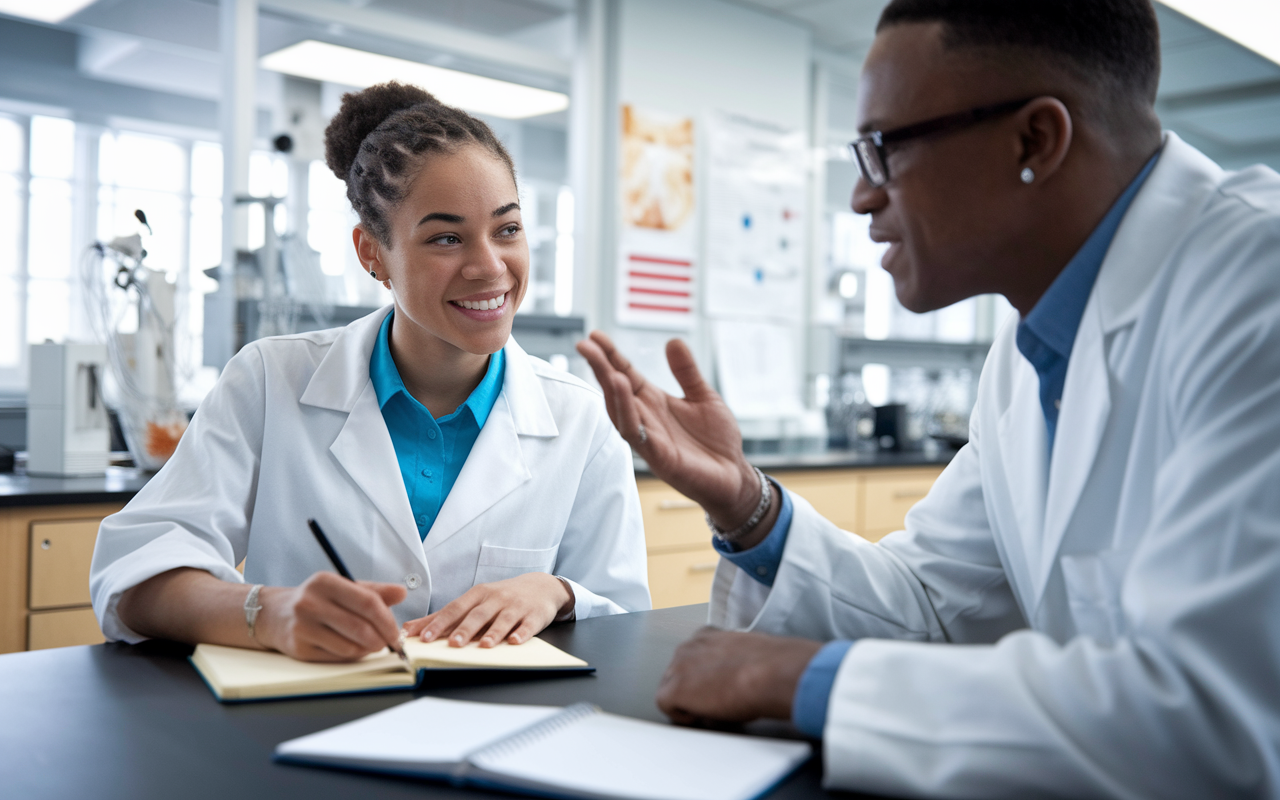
766,500
251,609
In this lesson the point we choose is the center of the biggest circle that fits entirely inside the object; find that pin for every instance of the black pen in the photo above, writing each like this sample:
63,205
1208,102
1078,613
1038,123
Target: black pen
336,560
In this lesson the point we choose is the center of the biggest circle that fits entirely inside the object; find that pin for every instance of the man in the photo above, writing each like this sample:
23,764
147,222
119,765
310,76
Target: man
1087,604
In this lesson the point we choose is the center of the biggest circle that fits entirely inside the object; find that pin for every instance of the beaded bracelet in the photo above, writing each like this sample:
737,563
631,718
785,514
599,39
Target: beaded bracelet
766,500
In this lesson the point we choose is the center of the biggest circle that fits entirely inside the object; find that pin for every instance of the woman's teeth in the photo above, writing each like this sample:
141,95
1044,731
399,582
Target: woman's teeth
483,305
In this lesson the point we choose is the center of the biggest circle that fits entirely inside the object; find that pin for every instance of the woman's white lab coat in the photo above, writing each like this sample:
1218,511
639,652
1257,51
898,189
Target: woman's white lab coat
1105,621
293,430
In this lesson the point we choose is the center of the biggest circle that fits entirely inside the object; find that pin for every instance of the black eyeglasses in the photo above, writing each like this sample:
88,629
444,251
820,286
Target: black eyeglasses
868,152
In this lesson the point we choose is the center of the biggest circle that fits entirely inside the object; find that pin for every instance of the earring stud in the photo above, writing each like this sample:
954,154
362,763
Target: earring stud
1027,175
373,275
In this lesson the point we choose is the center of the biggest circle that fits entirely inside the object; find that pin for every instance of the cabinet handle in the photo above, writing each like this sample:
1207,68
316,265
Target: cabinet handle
676,505
907,494
702,567
46,544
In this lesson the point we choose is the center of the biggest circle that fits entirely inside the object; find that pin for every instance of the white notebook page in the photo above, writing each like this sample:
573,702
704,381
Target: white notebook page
610,756
425,731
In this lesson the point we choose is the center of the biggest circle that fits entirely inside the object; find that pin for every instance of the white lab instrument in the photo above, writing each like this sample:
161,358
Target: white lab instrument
68,433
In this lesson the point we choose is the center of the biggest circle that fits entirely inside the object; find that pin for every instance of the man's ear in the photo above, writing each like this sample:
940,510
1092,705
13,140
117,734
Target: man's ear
369,251
1045,137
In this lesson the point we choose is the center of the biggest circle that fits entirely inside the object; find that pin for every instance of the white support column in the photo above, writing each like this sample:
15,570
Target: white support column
239,44
593,162
820,358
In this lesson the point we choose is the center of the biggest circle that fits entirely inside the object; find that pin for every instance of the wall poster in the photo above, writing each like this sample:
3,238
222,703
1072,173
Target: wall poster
656,285
757,178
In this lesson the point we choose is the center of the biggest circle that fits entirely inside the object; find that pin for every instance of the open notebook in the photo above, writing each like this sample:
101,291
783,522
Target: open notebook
574,752
236,674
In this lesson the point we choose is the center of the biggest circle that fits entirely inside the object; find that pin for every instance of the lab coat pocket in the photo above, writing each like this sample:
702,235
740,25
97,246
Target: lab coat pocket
499,563
1093,583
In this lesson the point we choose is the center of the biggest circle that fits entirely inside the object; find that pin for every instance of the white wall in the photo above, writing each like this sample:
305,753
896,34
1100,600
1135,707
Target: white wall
688,58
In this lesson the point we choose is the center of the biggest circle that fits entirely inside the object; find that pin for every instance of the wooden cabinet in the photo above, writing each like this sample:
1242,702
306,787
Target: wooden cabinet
868,502
44,575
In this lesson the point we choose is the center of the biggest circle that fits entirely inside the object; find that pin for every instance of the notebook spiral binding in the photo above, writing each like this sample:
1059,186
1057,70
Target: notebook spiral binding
528,736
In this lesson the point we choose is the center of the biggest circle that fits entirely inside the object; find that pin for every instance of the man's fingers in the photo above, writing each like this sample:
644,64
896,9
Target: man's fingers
626,417
685,370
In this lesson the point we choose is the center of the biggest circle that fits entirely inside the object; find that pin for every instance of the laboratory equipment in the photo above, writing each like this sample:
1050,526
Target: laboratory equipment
67,429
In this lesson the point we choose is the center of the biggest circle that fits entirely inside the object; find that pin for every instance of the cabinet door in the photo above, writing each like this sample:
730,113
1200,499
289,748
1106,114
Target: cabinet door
60,556
62,628
891,494
833,494
671,520
683,578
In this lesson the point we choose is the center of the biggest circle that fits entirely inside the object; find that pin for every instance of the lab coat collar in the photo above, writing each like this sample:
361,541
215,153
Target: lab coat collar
1182,182
1175,192
494,468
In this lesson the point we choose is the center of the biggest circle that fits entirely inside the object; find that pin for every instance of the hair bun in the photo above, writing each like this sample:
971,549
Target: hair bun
360,114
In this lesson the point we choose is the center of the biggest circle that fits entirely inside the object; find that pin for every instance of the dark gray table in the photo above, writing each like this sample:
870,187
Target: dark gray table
114,721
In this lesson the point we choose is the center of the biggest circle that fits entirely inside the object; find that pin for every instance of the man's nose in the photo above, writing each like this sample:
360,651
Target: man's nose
867,198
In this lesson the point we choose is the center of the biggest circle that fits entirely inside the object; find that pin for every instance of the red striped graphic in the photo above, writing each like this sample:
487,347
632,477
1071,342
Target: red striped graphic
675,262
664,292
659,276
650,307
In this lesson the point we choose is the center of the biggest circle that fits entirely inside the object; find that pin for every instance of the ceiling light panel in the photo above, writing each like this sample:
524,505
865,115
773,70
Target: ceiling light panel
43,10
321,61
1252,23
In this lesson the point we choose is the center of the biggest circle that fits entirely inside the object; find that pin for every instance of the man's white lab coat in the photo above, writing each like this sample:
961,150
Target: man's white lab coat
1104,622
293,430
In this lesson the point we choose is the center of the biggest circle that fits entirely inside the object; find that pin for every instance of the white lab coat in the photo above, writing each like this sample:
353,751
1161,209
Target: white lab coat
293,430
1104,622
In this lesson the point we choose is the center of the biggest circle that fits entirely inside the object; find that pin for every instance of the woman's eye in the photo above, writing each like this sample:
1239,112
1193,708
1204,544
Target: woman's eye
446,239
511,230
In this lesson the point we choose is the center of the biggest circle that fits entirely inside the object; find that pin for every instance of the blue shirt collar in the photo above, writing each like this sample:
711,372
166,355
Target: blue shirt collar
1055,319
387,382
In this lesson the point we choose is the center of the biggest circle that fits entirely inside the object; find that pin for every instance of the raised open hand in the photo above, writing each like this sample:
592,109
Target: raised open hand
691,442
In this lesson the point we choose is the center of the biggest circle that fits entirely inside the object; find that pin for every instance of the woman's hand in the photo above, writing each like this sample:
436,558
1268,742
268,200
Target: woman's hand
329,618
515,610
693,443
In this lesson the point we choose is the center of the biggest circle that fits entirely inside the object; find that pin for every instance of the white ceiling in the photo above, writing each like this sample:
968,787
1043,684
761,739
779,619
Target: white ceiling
1218,95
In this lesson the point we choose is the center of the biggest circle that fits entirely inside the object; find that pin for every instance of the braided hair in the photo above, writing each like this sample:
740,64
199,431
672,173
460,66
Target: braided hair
379,138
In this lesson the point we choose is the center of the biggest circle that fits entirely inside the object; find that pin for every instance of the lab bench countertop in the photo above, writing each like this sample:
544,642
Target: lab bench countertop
118,485
122,483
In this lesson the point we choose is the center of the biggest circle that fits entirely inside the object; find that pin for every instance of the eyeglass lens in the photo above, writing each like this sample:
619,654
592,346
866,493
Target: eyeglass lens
869,163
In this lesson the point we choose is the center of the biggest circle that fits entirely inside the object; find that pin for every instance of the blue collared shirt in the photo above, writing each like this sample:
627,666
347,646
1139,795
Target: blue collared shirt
1045,338
430,451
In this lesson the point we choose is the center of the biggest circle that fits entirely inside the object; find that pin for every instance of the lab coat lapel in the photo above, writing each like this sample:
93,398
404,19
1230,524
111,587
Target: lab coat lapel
1173,195
1023,442
363,447
1082,421
497,465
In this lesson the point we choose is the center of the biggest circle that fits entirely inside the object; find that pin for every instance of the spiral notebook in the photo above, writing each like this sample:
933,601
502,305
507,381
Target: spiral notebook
573,752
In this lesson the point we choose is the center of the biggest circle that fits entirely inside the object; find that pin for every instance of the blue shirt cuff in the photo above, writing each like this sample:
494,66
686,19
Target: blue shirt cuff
762,561
813,693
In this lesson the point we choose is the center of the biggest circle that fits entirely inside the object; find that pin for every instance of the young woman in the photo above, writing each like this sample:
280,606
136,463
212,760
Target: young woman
474,491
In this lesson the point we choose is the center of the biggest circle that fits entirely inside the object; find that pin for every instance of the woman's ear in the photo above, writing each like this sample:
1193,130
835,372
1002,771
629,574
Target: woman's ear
369,251
1045,138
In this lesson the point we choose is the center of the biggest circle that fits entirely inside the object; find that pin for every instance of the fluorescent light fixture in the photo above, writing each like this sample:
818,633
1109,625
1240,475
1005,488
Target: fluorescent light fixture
330,62
1252,23
43,10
